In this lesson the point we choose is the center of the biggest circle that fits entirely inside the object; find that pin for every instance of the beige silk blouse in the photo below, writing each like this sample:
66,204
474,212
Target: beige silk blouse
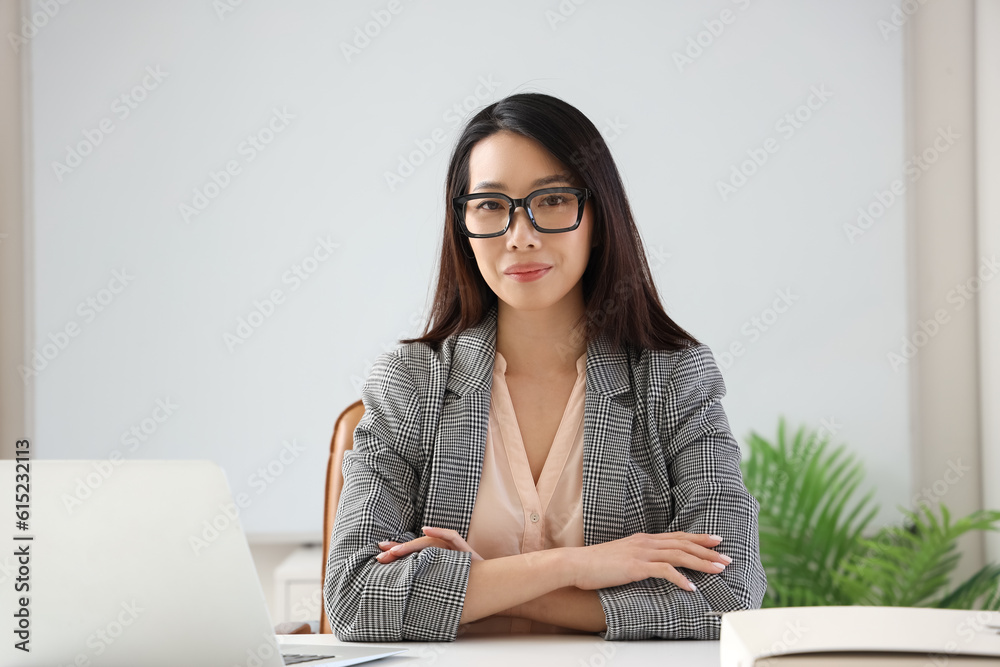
512,514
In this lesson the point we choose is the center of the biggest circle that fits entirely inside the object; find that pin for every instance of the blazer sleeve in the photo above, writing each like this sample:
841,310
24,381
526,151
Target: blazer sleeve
708,496
418,597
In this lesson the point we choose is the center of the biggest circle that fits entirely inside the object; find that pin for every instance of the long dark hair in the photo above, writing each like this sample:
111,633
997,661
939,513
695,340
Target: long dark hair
618,290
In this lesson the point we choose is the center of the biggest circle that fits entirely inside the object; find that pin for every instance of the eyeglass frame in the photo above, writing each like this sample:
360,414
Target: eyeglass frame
583,194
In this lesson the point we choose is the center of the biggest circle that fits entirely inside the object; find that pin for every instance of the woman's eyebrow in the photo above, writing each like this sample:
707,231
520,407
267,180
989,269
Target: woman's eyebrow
545,180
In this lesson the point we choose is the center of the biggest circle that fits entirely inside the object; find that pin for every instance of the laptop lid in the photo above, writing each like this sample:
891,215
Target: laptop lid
125,563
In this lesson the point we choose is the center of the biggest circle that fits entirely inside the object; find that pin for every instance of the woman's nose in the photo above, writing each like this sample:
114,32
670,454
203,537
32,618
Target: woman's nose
521,231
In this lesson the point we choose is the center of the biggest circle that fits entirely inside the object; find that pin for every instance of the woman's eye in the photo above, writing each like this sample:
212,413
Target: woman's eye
553,200
488,205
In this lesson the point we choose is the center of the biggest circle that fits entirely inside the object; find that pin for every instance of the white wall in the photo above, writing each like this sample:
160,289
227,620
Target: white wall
676,132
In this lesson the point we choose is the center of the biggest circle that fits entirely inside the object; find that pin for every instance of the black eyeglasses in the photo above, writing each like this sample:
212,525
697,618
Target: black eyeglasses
551,210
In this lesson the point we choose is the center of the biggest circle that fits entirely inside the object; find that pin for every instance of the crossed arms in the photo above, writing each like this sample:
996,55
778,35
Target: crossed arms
626,589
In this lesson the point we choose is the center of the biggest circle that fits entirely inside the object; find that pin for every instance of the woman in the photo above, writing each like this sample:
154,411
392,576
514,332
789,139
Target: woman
551,455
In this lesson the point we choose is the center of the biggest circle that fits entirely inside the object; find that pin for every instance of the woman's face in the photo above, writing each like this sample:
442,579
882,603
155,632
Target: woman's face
516,166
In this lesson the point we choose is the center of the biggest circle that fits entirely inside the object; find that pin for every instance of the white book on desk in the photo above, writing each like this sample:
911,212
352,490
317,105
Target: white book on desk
856,635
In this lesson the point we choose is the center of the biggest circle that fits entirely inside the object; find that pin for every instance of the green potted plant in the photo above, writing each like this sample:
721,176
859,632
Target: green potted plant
813,541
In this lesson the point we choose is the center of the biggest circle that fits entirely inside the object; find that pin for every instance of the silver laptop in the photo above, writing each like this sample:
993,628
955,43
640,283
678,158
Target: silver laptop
128,563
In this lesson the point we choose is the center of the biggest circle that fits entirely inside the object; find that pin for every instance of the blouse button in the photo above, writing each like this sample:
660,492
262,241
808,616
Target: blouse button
534,517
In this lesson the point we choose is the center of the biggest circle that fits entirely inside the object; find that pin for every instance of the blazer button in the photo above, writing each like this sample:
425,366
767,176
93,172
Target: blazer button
534,517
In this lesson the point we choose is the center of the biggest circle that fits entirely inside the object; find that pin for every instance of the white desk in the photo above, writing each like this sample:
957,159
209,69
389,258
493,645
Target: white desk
529,650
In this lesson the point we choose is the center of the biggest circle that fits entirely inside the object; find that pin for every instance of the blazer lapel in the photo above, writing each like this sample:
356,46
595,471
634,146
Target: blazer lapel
457,458
608,511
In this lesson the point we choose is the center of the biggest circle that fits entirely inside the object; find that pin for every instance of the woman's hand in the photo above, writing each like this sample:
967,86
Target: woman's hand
433,537
643,555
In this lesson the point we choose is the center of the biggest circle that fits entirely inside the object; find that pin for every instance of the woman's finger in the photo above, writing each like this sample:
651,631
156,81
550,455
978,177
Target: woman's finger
448,535
701,545
700,552
454,538
409,547
445,538
415,545
681,558
699,538
667,571
393,550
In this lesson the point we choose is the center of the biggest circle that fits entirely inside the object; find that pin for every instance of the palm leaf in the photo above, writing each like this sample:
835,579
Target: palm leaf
805,527
992,600
812,534
977,588
908,566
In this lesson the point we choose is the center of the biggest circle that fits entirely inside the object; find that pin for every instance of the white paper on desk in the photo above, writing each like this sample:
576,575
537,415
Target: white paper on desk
897,636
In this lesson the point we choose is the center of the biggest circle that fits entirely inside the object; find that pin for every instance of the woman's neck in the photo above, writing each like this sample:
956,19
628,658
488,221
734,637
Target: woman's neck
541,343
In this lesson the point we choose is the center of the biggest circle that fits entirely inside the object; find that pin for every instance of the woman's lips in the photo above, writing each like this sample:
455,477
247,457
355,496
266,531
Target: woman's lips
528,276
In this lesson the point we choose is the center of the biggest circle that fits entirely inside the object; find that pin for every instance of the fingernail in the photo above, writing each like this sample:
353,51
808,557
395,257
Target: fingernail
693,587
719,566
395,549
726,558
427,528
383,543
716,537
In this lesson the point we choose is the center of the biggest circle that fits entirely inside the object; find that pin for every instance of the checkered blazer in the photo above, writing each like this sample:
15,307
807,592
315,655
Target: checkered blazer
658,456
